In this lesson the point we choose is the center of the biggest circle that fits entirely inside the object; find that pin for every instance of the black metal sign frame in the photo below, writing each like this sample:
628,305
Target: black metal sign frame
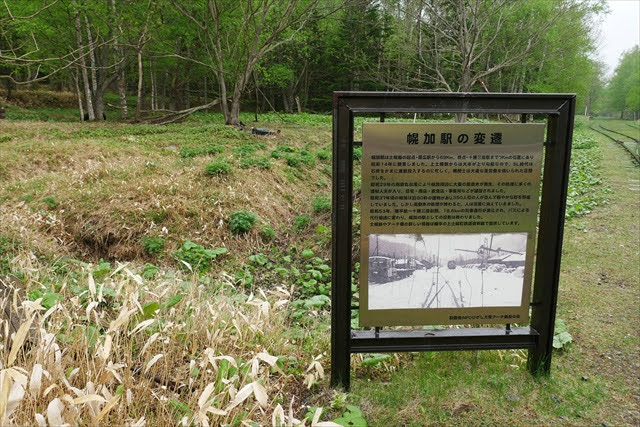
538,336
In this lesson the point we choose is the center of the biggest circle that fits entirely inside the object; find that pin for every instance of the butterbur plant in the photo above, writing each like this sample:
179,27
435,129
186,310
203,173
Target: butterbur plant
242,221
561,338
192,256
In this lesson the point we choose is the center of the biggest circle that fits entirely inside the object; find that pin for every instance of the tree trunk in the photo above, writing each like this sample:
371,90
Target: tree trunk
154,92
79,95
206,95
186,96
173,94
224,104
298,104
83,62
92,57
122,82
285,102
9,86
98,105
122,92
164,89
140,82
234,114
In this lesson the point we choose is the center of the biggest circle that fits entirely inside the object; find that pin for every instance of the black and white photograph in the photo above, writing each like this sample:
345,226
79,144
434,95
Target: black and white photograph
408,271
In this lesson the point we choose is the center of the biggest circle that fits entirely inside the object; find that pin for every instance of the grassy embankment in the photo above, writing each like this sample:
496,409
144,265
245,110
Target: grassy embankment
165,331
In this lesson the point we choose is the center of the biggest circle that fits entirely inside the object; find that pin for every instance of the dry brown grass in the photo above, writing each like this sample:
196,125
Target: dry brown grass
103,357
34,98
113,188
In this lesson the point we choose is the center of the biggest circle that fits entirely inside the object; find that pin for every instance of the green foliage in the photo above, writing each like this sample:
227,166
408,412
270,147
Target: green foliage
244,276
219,167
624,88
258,259
321,203
582,141
357,153
200,151
179,409
351,417
49,299
267,233
374,359
301,222
192,256
561,338
50,201
315,279
242,221
153,245
323,155
172,301
256,163
585,185
102,269
150,271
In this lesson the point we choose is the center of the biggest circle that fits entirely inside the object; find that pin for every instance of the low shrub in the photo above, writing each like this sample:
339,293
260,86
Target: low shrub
219,167
242,221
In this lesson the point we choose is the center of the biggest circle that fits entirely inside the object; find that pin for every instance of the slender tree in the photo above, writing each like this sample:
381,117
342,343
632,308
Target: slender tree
237,35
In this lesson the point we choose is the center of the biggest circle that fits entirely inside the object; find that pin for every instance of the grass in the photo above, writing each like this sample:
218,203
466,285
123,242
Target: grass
97,219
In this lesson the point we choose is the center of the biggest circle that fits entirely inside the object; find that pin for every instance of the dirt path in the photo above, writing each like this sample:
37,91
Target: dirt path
600,291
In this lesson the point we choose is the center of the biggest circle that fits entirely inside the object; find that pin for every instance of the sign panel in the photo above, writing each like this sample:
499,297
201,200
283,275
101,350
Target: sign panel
448,222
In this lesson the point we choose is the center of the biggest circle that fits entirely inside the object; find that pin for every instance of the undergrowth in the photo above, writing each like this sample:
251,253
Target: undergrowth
586,189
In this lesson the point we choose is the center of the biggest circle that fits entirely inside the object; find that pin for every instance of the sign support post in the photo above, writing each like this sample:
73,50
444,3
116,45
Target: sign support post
538,336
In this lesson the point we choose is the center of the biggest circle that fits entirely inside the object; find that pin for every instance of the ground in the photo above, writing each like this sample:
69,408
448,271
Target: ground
144,327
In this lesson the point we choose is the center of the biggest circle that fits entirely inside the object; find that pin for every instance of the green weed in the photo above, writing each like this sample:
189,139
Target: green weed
201,151
267,233
153,245
561,338
242,221
585,184
50,201
321,203
256,163
192,256
219,167
301,222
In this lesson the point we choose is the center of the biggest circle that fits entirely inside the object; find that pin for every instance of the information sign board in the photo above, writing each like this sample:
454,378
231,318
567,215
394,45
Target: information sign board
448,222
458,226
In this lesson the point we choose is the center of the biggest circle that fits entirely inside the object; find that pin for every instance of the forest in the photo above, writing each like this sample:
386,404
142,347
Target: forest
163,59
